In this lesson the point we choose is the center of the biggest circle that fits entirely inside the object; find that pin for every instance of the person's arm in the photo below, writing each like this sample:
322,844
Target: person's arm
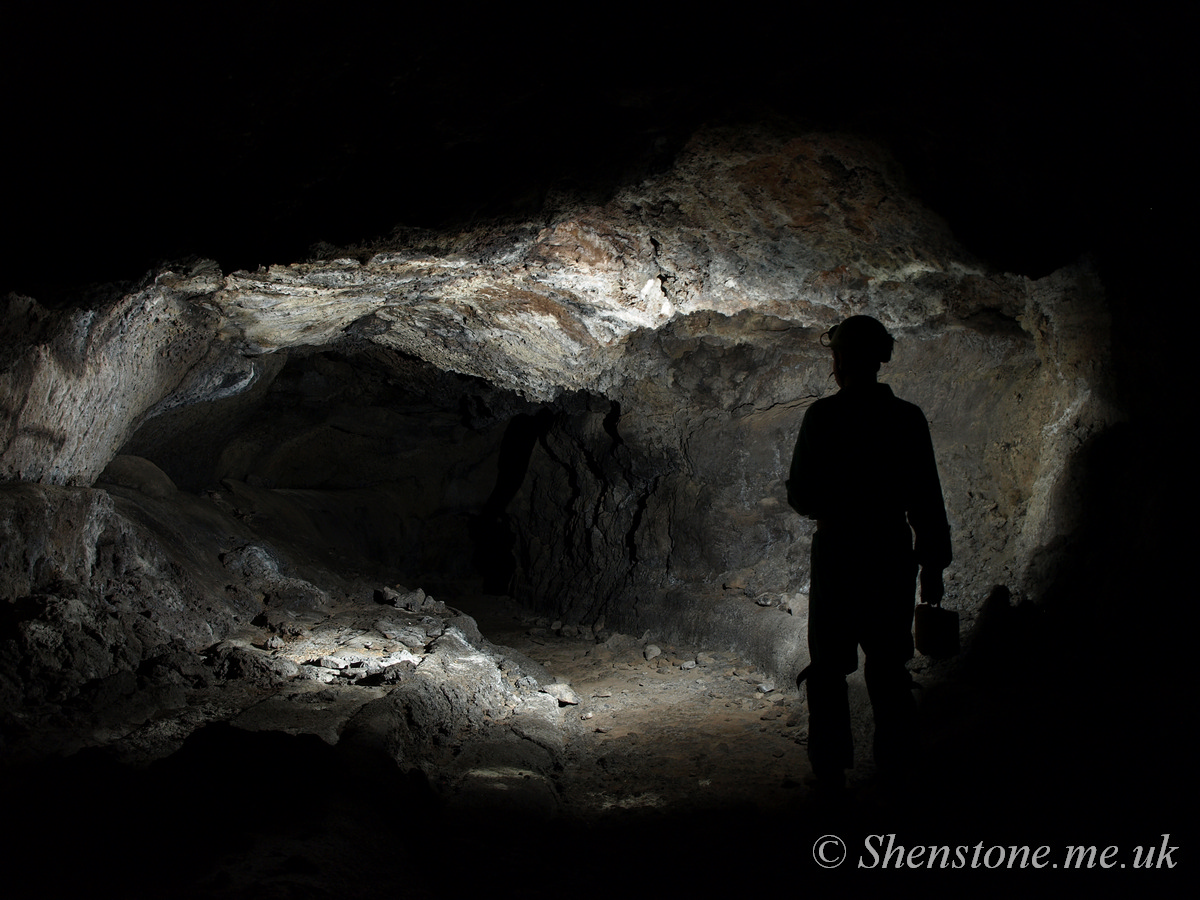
927,515
933,588
803,484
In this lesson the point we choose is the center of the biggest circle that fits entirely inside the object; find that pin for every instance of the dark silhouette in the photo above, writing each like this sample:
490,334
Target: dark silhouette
864,469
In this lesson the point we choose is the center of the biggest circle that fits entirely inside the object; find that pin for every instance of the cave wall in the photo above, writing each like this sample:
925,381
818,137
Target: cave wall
76,383
678,521
670,336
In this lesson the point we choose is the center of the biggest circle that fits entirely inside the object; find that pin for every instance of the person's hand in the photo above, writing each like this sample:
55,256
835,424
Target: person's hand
932,588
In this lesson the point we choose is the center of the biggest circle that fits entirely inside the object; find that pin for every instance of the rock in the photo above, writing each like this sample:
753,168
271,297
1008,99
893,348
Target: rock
396,674
92,591
436,607
237,662
618,643
281,622
177,666
530,673
412,601
413,636
402,656
541,704
138,474
455,690
433,627
318,674
562,693
260,569
389,630
388,595
794,604
650,651
467,625
350,656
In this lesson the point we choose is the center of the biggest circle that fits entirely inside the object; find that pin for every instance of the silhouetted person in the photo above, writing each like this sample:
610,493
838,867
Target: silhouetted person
864,469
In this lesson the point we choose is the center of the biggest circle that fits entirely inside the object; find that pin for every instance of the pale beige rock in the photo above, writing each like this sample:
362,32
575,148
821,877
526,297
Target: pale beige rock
75,383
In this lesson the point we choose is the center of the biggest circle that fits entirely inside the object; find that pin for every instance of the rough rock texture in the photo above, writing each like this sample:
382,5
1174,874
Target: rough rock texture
92,598
796,228
651,358
74,384
101,645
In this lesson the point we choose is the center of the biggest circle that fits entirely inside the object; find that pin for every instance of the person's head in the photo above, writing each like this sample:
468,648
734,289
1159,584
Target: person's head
860,345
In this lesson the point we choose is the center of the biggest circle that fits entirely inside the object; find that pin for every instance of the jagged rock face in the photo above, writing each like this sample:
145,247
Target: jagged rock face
796,228
697,510
75,384
663,349
92,592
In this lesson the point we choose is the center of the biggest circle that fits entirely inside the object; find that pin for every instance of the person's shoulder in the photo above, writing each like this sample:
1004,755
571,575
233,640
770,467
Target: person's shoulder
909,412
821,407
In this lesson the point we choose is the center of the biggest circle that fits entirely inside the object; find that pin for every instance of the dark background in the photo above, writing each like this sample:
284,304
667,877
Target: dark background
132,139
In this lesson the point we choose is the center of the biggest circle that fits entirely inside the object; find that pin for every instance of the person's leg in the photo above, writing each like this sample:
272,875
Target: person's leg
888,645
890,688
830,741
833,651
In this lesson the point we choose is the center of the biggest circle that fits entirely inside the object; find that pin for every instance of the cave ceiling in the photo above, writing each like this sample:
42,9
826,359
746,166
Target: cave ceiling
249,139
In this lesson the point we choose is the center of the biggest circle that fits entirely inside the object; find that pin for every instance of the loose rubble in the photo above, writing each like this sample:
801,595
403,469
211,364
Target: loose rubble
559,721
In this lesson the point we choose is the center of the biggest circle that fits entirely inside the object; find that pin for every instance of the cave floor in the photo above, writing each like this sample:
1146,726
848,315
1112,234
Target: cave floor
689,729
678,772
244,791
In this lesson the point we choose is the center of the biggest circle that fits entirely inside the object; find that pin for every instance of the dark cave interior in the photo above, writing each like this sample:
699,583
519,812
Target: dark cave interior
362,465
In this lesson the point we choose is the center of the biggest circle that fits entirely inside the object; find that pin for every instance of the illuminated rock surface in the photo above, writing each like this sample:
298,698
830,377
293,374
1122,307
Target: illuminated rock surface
211,478
660,351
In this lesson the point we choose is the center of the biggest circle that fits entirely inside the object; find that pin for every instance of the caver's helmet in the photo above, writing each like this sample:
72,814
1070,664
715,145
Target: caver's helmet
861,338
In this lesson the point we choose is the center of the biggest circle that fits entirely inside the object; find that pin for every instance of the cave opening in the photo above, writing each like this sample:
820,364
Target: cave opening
374,463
